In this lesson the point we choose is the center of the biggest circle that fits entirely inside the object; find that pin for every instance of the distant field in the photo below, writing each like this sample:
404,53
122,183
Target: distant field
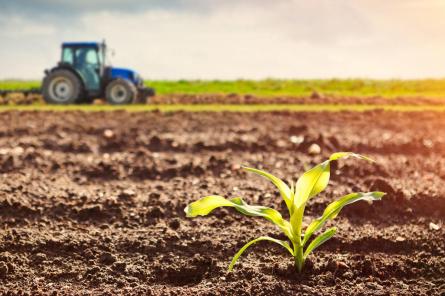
225,108
427,88
18,84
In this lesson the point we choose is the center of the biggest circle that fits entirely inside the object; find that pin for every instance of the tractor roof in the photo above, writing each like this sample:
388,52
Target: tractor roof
82,44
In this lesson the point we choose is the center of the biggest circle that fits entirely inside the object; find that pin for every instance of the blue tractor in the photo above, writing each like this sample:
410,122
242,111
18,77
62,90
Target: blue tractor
83,75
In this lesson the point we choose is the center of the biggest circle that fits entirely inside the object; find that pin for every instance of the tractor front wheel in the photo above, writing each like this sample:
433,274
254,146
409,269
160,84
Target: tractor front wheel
120,92
61,87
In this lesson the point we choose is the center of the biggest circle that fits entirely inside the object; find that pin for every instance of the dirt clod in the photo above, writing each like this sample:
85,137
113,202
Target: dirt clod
380,185
368,267
3,270
155,212
175,224
337,266
39,257
107,258
127,194
119,266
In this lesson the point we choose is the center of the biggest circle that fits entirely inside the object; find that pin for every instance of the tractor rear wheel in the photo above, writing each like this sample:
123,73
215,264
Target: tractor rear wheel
61,87
120,92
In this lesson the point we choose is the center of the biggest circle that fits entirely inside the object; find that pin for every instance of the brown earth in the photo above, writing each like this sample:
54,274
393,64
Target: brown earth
93,203
315,98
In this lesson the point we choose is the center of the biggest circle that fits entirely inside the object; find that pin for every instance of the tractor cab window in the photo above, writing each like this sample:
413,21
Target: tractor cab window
67,56
87,56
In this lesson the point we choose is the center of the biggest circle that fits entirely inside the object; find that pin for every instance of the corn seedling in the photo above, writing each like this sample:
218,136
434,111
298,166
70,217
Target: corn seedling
296,197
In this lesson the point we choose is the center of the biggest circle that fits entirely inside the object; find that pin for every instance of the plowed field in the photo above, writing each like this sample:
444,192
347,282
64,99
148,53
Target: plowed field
93,203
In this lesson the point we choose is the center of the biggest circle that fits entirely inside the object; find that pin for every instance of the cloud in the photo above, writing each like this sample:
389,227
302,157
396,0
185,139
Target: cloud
231,39
61,8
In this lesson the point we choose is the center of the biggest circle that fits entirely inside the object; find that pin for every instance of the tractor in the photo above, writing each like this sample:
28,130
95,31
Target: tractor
83,75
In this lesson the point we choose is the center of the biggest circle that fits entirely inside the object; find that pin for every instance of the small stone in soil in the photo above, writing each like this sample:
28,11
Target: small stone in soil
434,226
297,139
108,133
314,149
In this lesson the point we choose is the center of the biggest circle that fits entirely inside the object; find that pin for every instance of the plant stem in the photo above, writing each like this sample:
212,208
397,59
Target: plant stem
299,261
298,244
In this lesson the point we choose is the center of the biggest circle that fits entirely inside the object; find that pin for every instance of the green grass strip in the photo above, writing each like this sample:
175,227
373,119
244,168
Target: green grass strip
364,88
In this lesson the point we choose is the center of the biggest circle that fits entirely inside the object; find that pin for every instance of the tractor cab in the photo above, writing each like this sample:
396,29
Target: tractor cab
82,75
88,60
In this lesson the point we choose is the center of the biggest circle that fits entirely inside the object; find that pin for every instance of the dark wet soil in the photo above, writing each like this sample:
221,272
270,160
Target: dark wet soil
93,203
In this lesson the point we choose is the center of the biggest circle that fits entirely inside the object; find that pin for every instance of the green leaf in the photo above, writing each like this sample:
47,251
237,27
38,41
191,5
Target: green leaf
316,179
319,240
262,238
207,204
312,183
334,208
338,155
285,191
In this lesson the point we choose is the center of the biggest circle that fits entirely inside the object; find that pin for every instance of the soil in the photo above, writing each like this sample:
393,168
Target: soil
315,98
92,203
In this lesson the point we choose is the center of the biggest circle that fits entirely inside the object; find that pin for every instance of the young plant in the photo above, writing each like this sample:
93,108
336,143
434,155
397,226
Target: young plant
296,197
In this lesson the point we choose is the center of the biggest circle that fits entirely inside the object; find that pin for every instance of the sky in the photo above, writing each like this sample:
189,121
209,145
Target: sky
232,39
